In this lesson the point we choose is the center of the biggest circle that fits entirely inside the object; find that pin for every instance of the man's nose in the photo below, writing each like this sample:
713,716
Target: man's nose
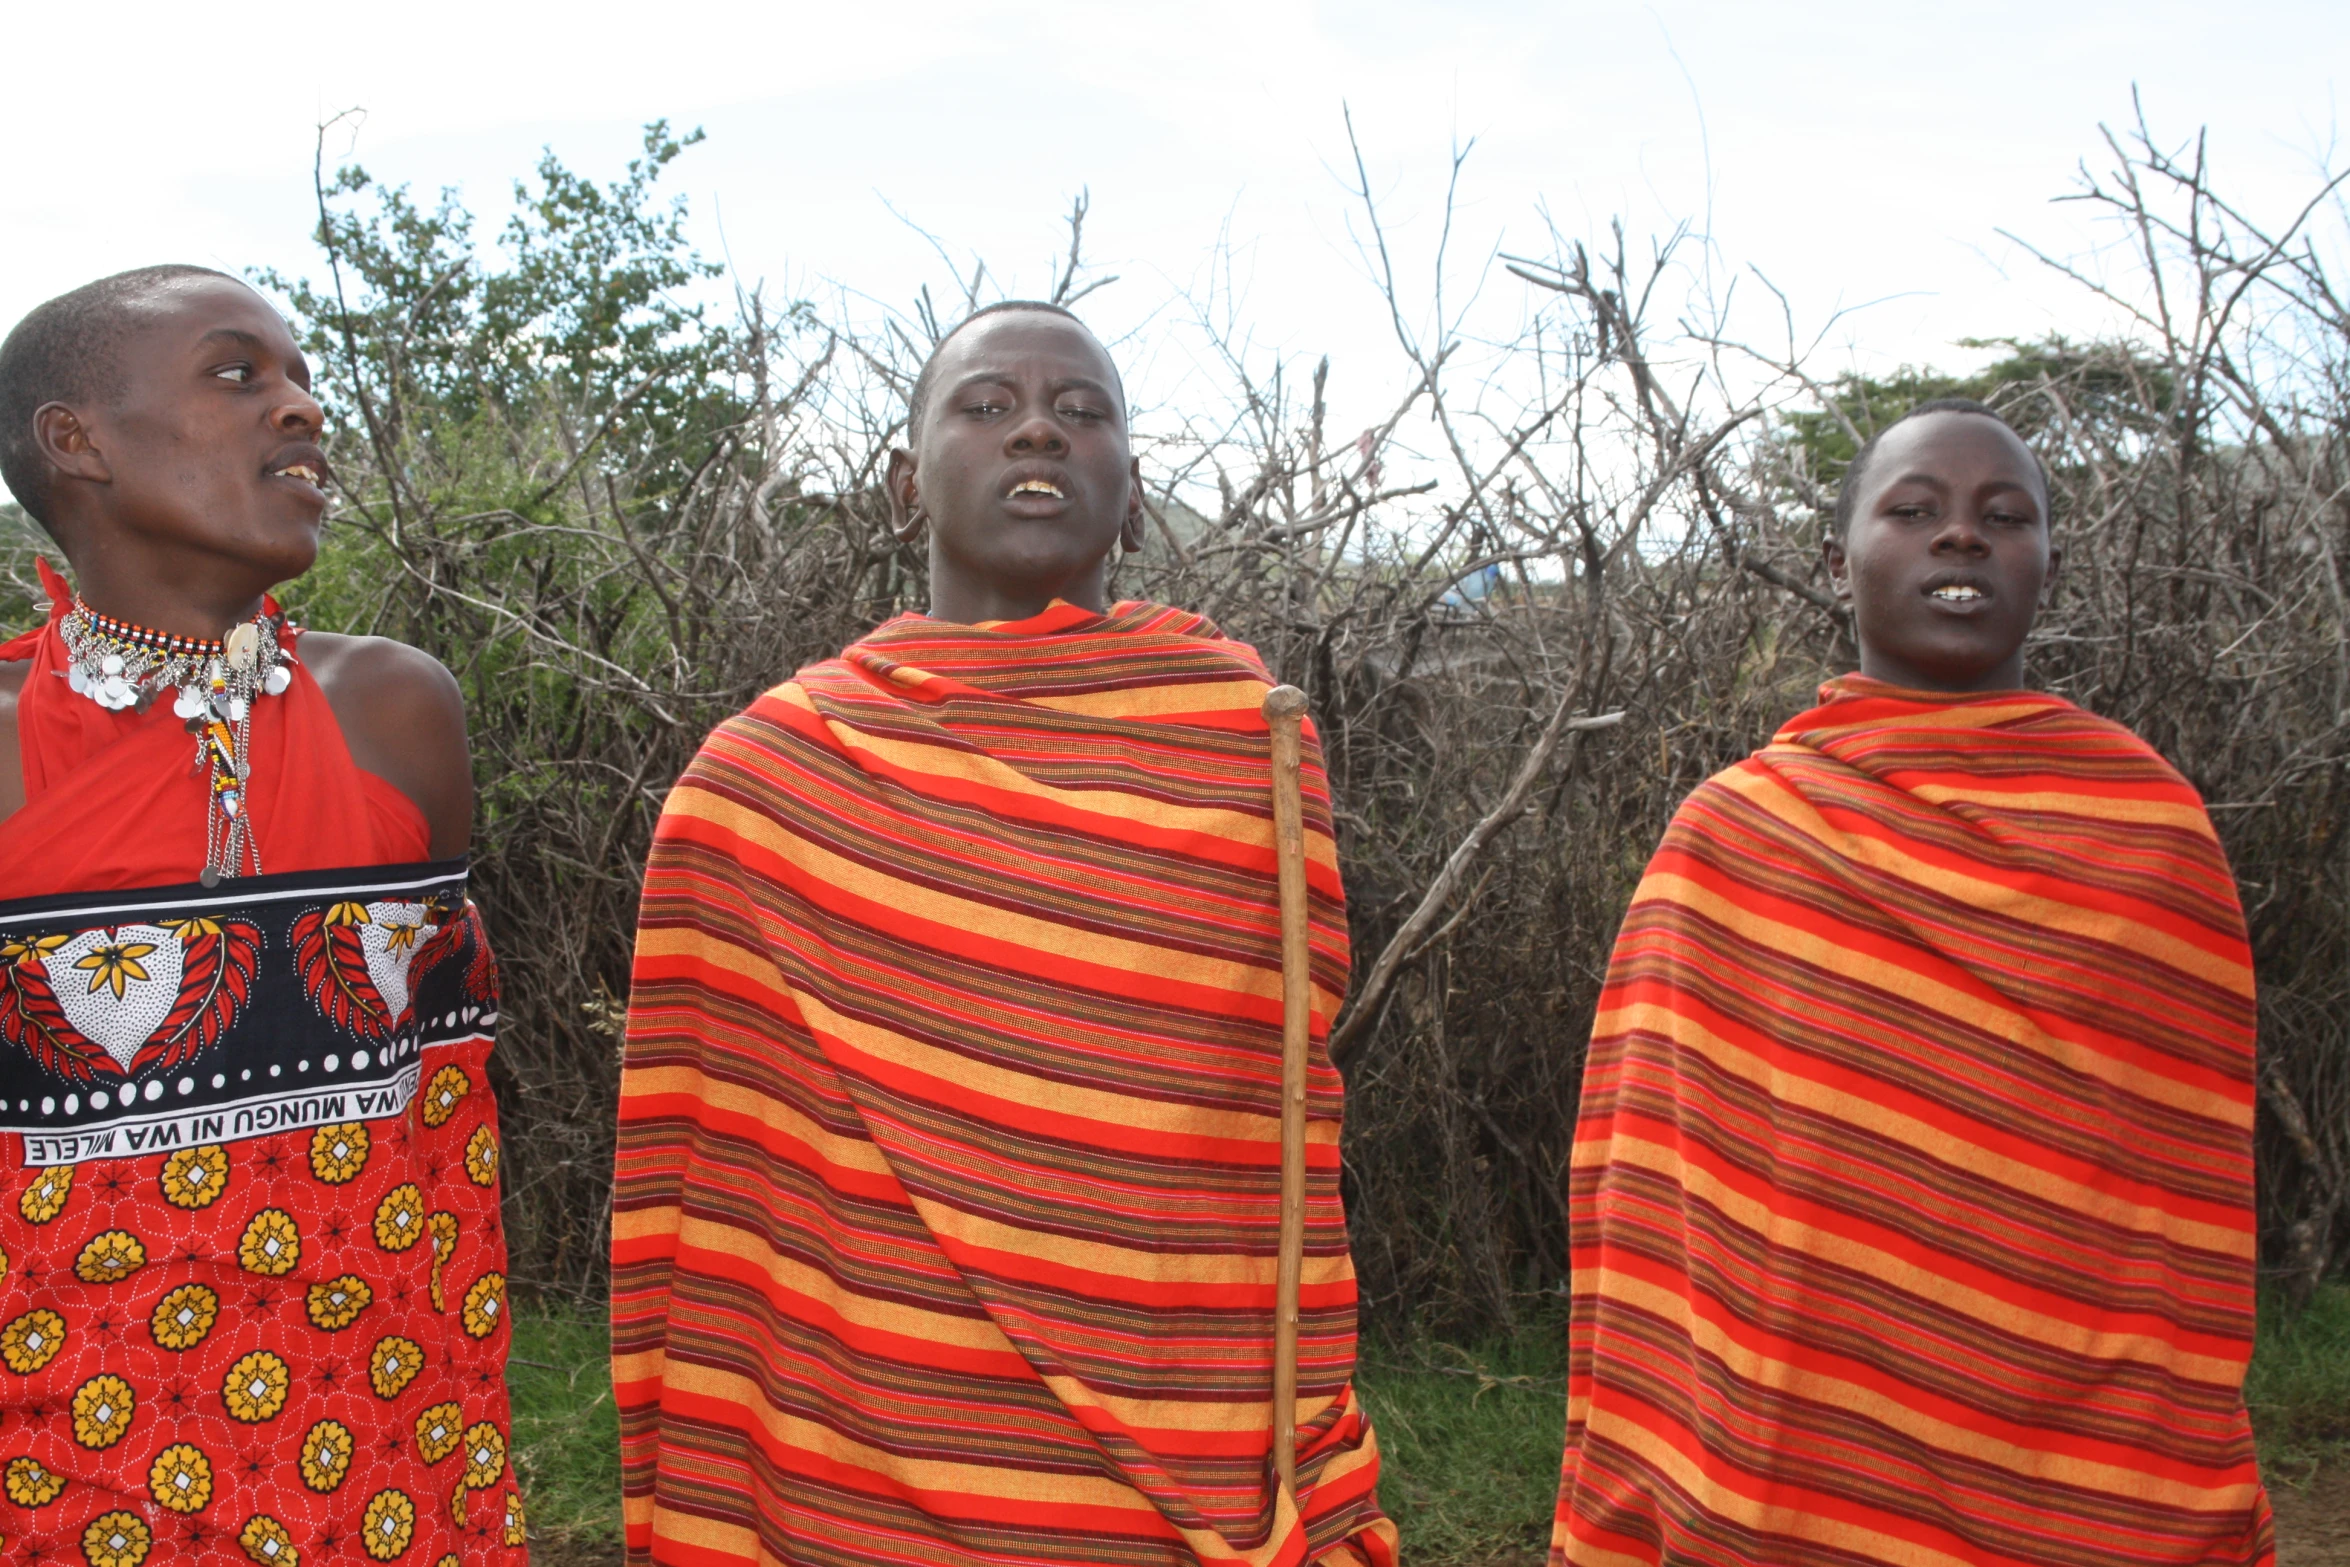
1961,533
299,414
1037,433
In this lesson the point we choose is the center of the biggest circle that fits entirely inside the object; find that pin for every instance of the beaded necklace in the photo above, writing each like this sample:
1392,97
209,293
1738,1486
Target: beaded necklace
118,665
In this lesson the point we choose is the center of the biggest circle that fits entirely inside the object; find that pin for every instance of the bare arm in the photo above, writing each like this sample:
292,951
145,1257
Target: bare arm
11,754
404,720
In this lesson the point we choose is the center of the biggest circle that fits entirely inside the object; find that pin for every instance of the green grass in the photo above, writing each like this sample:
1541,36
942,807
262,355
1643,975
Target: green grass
2299,1386
566,1429
1471,1437
1469,1442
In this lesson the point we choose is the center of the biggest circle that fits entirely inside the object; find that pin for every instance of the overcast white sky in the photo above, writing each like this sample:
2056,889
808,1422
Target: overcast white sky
1852,151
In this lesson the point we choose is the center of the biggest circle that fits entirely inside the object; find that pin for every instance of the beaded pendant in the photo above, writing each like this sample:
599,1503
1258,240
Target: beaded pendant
119,665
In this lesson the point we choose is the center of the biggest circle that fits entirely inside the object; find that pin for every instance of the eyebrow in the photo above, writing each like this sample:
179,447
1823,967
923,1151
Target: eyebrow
1940,483
1073,383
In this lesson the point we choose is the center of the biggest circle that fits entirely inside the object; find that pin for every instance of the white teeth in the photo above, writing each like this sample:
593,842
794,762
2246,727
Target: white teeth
1037,487
1958,593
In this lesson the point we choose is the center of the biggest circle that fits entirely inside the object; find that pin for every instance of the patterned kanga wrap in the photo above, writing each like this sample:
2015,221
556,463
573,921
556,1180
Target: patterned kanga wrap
253,1299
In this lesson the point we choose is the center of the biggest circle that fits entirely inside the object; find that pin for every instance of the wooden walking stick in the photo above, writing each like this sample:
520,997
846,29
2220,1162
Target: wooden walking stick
1285,711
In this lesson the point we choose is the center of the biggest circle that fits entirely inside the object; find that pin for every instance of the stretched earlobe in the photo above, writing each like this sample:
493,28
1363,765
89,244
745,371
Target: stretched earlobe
907,519
1130,534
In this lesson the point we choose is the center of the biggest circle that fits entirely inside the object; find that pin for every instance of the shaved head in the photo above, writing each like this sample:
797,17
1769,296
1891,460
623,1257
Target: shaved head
1856,472
924,382
70,351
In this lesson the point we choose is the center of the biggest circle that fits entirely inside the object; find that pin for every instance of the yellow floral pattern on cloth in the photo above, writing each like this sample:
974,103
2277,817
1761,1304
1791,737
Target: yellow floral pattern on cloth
46,1197
485,1456
481,1158
338,1153
181,1478
485,1305
444,1245
116,1539
255,1388
449,1085
389,1525
394,1365
266,1541
438,1431
110,1257
183,1317
102,1410
272,1243
284,1350
32,1341
27,1484
336,1304
195,1177
399,1219
326,1455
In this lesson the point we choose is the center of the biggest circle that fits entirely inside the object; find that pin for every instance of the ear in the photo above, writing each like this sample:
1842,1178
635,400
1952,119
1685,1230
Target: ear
1130,532
1839,567
65,441
2055,568
906,520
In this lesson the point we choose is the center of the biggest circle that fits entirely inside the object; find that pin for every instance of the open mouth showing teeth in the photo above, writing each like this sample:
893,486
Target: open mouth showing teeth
1958,593
1038,487
302,471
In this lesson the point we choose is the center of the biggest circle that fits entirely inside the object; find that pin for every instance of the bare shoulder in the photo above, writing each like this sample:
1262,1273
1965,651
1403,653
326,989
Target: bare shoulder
377,669
403,717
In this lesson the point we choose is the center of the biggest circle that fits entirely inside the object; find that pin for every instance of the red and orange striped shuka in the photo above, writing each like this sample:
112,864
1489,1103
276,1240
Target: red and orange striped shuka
1912,1192
947,1199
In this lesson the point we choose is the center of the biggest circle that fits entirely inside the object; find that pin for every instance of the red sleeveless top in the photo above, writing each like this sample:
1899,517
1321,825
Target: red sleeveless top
114,799
283,1347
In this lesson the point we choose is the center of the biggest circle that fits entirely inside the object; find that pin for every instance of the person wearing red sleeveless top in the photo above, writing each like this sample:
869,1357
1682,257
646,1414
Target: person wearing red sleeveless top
252,1276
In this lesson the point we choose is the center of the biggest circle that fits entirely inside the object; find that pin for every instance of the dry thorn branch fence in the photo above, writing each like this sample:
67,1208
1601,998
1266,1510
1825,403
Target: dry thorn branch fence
1564,578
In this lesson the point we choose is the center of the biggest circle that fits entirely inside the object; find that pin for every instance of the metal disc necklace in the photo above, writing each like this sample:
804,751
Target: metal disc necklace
118,665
